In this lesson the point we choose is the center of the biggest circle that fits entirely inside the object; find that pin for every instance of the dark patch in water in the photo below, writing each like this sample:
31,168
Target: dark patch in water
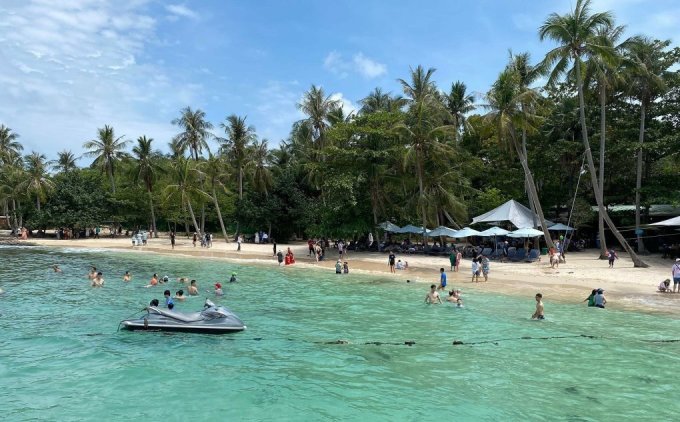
572,390
645,379
594,399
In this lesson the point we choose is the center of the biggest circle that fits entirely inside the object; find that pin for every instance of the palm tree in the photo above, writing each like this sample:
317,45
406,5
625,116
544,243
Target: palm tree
575,35
11,176
317,106
648,69
422,130
108,150
195,131
261,174
216,172
378,101
236,145
146,170
526,74
65,162
459,103
511,108
183,186
36,180
9,146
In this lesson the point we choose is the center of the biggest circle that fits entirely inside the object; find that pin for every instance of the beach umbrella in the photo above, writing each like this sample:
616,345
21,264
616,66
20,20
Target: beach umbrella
526,232
494,231
442,231
560,227
389,227
466,232
675,221
412,229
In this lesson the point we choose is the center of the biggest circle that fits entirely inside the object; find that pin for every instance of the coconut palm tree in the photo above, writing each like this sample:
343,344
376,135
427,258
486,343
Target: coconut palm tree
184,186
108,151
606,75
261,174
9,146
236,145
36,181
146,170
378,101
65,162
526,74
216,173
458,103
11,176
422,130
648,68
511,107
317,106
575,34
195,131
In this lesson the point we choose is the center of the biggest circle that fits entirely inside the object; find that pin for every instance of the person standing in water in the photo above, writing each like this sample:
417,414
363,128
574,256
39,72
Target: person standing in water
432,296
279,257
127,276
539,307
193,288
442,279
98,280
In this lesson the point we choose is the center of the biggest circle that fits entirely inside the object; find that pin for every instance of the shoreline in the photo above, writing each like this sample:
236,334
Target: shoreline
626,288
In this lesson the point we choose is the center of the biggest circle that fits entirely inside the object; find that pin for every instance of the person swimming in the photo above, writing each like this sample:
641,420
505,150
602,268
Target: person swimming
56,268
154,302
179,295
218,290
454,297
168,300
233,278
93,273
98,280
127,276
193,288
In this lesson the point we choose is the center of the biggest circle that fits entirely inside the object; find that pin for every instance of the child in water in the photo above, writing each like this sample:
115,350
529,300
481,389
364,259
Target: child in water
233,278
127,276
345,268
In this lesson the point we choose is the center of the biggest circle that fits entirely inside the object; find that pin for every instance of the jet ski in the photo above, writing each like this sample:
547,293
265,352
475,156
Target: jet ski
212,319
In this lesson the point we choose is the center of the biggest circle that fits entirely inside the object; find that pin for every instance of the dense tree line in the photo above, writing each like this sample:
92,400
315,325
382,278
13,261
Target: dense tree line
430,155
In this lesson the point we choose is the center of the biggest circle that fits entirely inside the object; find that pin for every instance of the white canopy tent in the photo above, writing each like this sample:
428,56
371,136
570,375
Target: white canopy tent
511,211
466,232
675,221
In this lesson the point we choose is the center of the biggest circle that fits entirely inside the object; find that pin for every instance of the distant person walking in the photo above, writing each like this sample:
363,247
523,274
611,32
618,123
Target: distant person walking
611,254
459,257
172,239
390,261
452,259
676,275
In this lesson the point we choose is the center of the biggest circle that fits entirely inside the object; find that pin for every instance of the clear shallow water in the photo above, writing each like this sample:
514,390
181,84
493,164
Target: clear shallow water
61,357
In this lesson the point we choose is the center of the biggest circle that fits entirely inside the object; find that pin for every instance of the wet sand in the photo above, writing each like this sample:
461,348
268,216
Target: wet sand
625,287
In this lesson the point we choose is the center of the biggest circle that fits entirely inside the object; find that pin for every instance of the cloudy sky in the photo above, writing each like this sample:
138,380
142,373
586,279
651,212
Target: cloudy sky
68,67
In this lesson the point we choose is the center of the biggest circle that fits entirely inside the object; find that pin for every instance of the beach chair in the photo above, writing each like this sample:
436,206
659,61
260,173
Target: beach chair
521,255
497,254
487,252
534,255
512,251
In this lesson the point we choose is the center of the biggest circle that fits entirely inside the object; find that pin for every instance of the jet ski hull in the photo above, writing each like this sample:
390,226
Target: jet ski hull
212,320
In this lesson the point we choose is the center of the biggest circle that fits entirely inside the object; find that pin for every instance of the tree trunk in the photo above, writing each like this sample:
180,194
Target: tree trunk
533,193
603,128
37,202
240,183
638,180
113,182
637,262
421,197
153,215
526,182
193,218
219,215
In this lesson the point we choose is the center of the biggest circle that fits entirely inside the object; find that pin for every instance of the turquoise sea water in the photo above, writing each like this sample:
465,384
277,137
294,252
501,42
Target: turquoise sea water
61,357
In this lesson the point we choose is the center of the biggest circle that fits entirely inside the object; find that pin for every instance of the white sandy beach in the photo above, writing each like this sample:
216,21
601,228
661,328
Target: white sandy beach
625,287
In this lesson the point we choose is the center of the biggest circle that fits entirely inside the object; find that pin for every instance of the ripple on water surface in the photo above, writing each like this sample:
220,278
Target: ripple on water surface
62,358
